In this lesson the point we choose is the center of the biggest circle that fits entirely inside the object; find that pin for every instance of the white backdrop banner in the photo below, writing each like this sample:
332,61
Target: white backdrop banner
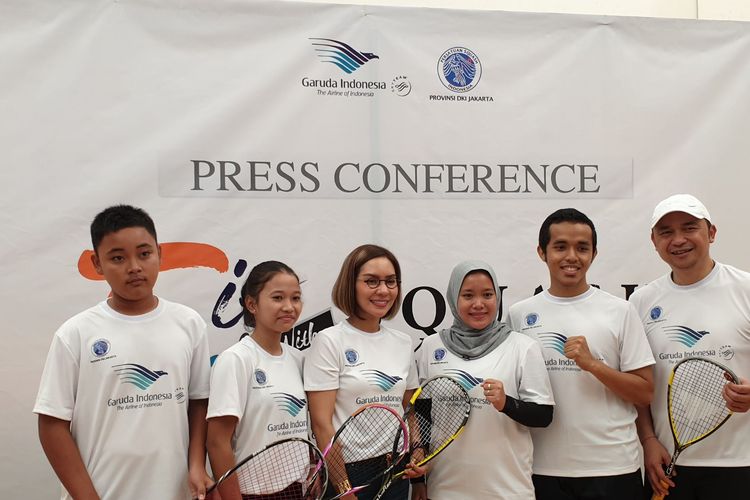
290,131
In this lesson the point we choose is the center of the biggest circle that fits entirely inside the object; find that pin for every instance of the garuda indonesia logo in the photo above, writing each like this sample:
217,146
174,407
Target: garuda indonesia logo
138,375
554,341
684,335
380,379
467,380
347,58
289,403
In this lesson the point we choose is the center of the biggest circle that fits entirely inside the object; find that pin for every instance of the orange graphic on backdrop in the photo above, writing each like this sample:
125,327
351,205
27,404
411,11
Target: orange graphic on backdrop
174,255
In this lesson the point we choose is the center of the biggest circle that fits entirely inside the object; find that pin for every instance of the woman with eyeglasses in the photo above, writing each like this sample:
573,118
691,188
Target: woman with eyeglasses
359,360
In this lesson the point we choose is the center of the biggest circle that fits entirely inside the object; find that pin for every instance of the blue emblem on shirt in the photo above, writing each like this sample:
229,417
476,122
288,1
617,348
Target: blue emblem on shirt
439,354
531,319
260,377
100,348
656,313
351,356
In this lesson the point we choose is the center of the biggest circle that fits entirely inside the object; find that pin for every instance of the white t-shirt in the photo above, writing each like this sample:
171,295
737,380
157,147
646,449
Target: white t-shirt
124,383
593,430
363,367
492,457
709,319
263,391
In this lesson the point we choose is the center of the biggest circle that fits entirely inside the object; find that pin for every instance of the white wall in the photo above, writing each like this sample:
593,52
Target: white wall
737,10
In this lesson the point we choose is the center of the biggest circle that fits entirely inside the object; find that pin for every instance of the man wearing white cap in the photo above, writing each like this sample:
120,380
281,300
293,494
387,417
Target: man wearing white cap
701,308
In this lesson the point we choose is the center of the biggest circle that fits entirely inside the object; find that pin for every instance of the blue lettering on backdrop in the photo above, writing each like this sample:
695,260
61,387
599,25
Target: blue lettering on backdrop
223,301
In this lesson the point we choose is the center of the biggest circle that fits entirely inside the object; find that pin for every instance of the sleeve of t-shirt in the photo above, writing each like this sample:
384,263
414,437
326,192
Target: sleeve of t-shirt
635,299
229,386
322,365
200,364
535,386
57,389
635,351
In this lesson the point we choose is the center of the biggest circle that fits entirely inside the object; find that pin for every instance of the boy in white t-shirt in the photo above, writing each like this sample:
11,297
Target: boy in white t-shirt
122,400
701,308
599,365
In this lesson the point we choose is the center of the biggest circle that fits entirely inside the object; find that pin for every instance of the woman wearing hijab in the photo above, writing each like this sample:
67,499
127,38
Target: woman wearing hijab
503,371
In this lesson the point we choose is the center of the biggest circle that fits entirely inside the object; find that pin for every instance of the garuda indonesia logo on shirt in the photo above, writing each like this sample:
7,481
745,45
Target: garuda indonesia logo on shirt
466,379
289,403
684,335
138,375
382,380
344,56
554,341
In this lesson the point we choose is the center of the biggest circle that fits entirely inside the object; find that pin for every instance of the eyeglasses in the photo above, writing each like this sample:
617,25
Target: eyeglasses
375,282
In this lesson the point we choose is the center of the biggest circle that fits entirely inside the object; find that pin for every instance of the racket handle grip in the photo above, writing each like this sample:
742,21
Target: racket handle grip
660,497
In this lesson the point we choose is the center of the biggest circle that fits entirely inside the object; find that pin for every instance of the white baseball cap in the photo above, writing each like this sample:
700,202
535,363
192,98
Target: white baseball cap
680,203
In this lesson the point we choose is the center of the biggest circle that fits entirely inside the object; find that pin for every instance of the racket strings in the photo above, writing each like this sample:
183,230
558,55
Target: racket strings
287,471
696,404
371,433
367,446
439,412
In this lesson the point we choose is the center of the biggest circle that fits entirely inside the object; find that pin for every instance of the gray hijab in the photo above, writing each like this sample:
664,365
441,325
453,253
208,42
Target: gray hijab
461,340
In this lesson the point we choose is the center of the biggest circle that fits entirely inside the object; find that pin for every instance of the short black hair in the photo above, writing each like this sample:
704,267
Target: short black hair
256,280
564,215
117,217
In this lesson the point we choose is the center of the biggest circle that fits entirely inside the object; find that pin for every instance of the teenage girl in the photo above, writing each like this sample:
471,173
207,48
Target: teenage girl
257,396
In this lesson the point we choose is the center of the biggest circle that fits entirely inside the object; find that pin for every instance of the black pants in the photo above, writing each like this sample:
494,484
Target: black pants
621,487
360,472
294,490
707,483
